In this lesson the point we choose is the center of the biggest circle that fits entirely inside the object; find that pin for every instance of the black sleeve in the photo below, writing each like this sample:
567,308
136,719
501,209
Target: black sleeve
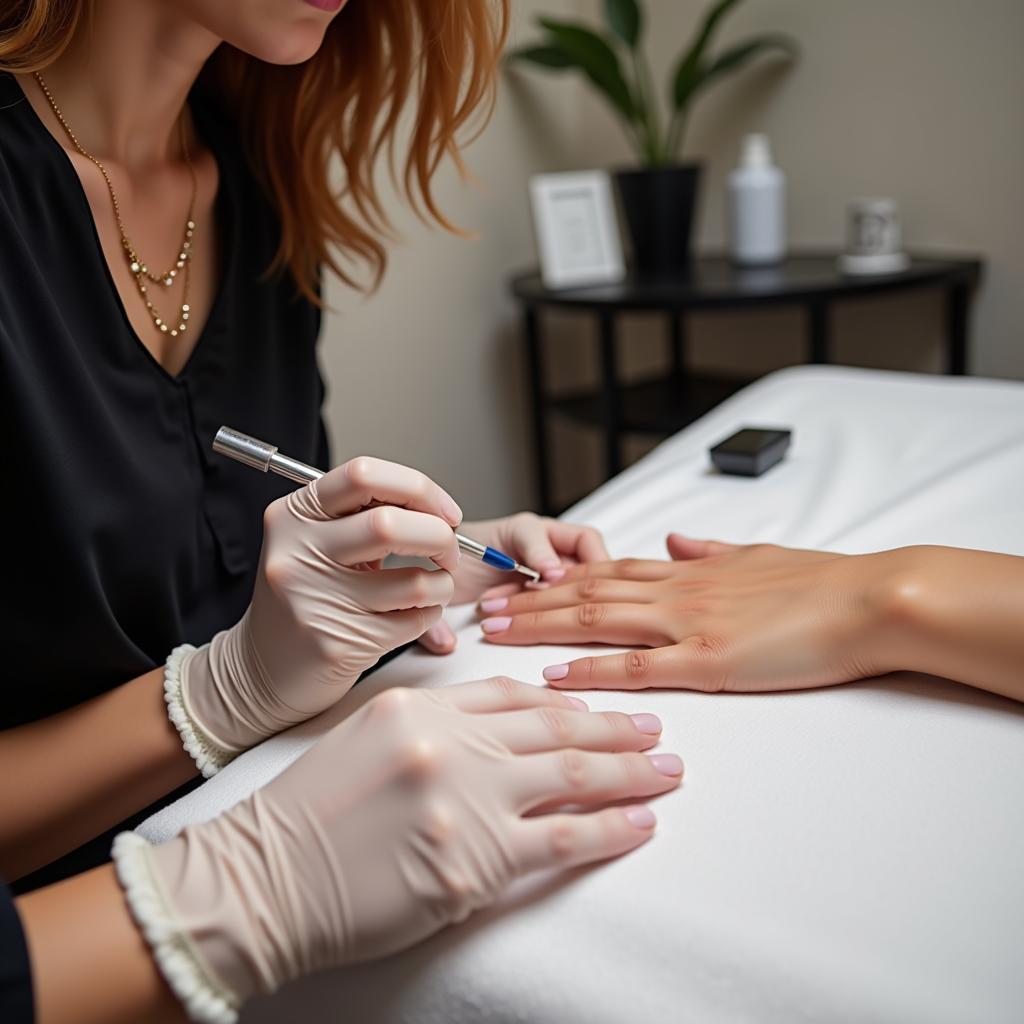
15,975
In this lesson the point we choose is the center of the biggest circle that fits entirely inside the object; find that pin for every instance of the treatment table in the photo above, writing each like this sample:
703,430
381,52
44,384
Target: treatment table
845,854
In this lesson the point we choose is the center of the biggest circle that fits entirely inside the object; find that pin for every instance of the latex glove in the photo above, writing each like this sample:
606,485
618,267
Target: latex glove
547,545
322,611
412,813
719,617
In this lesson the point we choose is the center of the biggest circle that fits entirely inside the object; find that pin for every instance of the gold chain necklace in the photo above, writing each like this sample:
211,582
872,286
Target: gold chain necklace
139,270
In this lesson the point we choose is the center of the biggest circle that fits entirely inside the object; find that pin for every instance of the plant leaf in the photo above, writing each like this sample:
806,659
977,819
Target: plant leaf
736,56
543,56
688,69
623,18
596,59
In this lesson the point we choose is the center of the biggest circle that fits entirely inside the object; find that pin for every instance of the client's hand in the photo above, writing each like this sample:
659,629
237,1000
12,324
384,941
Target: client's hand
323,610
547,545
408,816
719,617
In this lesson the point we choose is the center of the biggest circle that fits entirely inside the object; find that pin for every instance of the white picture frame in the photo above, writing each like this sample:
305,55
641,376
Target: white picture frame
576,228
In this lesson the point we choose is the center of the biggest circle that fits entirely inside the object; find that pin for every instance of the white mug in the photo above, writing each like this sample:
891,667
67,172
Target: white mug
873,238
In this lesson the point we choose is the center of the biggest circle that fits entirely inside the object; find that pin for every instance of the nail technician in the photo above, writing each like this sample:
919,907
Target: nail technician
165,211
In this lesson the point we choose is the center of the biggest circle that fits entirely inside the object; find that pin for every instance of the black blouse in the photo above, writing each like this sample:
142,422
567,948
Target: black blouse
16,1004
123,534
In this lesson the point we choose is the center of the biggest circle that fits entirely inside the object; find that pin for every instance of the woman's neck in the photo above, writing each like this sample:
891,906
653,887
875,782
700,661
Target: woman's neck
124,79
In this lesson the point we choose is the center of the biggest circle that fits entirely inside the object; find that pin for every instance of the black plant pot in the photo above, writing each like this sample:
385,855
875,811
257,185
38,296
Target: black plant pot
658,204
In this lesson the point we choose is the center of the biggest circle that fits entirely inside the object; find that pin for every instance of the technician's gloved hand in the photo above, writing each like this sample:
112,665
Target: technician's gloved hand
323,610
412,813
547,545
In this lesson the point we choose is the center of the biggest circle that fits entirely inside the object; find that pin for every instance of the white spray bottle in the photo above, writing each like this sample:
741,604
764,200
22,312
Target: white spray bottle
757,206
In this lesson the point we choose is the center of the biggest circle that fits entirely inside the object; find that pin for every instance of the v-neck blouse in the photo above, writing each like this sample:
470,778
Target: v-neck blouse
123,534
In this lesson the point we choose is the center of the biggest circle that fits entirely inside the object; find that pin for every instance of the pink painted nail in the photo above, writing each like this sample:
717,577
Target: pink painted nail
553,575
493,604
553,672
578,704
496,625
667,764
650,724
640,816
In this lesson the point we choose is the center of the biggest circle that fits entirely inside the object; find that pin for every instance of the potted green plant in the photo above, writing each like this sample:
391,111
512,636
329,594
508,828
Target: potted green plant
658,198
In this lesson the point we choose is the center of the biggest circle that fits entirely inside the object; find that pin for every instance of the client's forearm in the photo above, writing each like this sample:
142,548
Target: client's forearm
955,613
69,777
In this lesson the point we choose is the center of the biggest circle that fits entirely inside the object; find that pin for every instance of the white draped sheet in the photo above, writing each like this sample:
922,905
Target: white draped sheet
845,854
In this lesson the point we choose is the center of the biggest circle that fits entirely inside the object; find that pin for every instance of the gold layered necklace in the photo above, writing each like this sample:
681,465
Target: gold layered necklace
140,271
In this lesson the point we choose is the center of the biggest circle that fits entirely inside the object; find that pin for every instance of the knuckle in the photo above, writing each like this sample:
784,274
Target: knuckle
507,687
420,587
557,724
636,770
631,568
277,571
709,647
710,652
447,586
639,665
562,841
589,616
589,588
382,523
586,668
619,724
359,471
419,757
456,888
532,622
391,703
573,766
272,515
438,824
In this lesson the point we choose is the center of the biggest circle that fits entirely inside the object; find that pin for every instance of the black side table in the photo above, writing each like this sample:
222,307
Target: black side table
666,404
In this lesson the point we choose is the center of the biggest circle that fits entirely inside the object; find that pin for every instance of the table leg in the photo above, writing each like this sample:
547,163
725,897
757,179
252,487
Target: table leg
535,371
957,297
610,392
818,330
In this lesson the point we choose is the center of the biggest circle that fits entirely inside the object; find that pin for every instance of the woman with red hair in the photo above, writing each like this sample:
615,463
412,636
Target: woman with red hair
167,206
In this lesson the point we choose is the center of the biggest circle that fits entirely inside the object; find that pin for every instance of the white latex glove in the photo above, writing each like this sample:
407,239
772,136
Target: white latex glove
408,816
547,545
323,610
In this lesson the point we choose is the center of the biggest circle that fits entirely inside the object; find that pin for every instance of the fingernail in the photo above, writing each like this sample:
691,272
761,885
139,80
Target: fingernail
496,625
650,724
493,604
640,816
667,764
578,704
451,511
553,672
553,575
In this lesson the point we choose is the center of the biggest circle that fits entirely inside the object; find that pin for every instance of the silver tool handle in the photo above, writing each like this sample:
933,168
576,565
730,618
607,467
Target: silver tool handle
251,451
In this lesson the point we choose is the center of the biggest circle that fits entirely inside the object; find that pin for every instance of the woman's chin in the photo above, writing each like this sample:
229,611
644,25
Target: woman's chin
294,45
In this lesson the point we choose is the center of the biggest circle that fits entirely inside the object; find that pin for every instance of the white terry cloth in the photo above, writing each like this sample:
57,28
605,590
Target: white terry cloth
846,854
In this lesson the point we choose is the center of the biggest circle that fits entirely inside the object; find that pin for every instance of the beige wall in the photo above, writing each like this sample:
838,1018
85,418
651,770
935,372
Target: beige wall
427,371
921,100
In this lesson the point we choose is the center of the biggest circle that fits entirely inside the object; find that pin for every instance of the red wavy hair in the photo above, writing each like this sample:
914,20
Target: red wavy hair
345,101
